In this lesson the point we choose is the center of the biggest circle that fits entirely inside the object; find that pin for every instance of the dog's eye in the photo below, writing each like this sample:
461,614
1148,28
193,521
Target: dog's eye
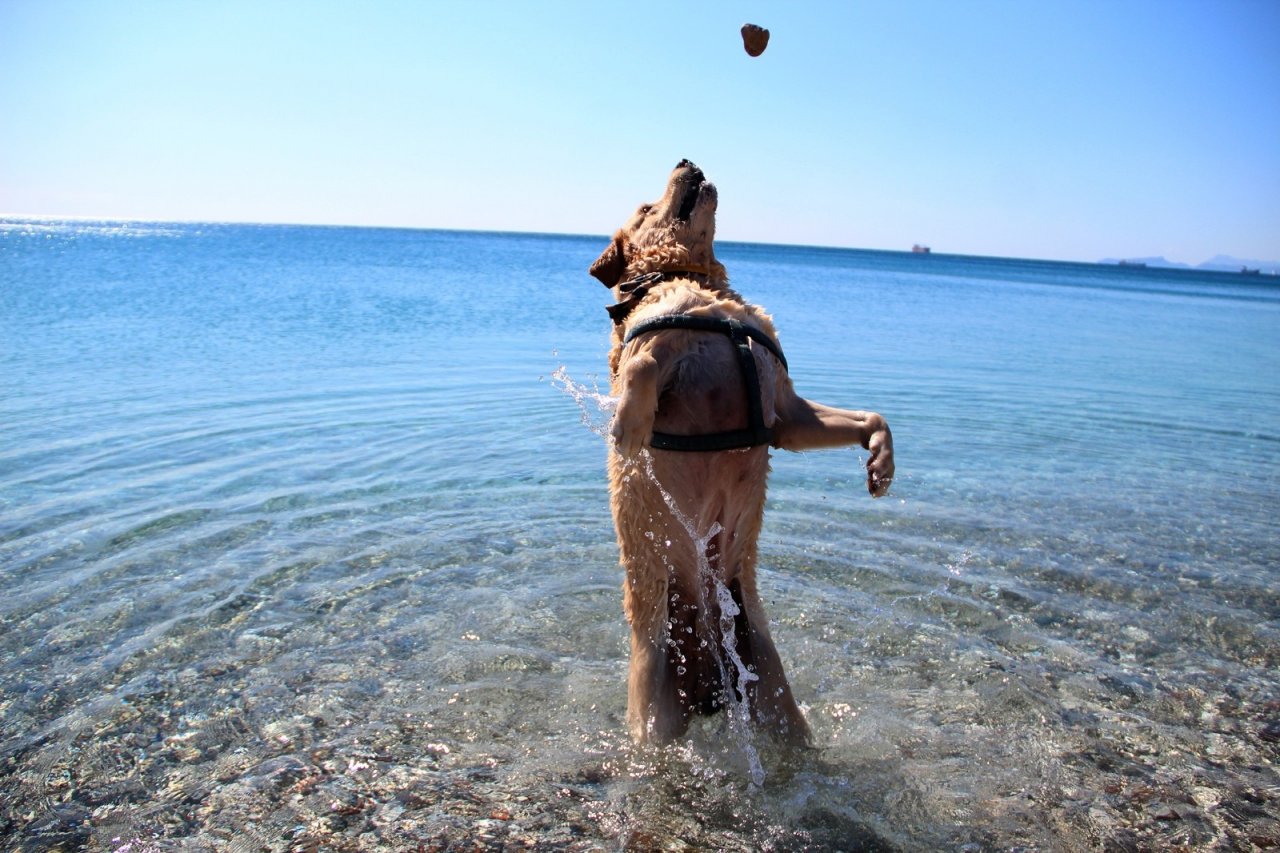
644,209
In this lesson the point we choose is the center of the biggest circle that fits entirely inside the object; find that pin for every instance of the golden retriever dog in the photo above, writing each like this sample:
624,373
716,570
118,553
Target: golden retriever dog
703,392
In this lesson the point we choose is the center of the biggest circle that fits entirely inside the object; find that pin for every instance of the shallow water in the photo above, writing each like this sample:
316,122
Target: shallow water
305,547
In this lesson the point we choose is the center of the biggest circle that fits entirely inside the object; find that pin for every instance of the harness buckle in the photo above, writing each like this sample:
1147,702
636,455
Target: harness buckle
642,280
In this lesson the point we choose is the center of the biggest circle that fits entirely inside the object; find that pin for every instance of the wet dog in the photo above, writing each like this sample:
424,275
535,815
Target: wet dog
703,392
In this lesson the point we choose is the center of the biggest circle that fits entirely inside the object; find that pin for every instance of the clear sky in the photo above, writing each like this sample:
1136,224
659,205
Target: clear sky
1034,128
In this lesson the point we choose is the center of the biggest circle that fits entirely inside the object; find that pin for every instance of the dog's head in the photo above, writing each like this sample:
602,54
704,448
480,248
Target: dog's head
674,233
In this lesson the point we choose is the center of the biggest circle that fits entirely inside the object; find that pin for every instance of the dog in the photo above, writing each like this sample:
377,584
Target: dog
702,392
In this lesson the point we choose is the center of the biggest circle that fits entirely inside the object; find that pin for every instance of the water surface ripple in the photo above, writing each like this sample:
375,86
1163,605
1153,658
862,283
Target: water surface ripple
304,546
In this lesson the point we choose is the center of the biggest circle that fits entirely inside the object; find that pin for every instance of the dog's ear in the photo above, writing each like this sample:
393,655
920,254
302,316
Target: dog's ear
612,263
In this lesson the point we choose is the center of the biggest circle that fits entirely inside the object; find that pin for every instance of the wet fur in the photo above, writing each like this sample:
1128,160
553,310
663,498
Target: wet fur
687,382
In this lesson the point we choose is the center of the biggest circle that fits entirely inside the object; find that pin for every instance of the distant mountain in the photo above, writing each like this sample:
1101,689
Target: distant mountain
1218,263
1147,262
1226,263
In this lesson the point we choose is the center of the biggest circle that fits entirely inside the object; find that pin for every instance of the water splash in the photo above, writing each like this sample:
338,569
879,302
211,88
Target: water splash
596,408
737,707
957,568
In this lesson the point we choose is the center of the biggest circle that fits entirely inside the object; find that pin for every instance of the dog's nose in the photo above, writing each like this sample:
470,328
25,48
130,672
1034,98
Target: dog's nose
685,163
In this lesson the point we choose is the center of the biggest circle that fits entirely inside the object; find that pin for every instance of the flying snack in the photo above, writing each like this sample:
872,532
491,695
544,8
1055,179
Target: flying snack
754,39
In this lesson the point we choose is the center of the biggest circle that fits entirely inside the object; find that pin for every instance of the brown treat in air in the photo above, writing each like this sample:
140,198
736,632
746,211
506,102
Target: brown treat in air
754,39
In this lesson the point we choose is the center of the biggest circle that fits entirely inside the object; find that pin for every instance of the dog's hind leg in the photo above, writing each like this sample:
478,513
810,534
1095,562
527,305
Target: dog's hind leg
769,696
655,712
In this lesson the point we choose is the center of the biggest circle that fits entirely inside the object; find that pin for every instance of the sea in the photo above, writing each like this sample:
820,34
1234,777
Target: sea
305,546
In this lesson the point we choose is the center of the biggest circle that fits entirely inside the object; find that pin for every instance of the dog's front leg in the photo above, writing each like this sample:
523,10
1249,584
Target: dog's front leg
637,403
806,425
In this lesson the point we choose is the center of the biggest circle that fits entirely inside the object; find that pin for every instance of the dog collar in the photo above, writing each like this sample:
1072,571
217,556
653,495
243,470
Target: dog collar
635,289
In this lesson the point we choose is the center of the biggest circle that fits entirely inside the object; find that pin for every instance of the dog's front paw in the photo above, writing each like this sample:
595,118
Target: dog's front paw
880,463
629,433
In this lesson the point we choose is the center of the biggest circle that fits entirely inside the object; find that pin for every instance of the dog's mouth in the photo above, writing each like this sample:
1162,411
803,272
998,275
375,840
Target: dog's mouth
689,186
691,192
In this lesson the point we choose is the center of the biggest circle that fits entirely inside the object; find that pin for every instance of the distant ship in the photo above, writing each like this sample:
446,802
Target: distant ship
1247,271
1139,264
921,250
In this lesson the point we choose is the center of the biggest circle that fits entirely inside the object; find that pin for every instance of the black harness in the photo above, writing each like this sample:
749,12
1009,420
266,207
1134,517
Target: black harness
756,433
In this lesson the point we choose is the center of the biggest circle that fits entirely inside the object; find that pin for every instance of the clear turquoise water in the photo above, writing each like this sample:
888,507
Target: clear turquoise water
302,542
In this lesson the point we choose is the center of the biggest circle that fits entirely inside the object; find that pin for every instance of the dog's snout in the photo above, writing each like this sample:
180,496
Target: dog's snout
690,167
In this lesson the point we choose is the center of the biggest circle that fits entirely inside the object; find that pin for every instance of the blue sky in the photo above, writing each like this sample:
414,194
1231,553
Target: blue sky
1033,128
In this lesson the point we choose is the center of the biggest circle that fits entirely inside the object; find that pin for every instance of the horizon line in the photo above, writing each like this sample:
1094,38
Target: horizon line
1106,262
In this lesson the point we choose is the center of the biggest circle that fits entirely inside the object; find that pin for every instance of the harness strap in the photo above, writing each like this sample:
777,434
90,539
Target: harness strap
756,433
